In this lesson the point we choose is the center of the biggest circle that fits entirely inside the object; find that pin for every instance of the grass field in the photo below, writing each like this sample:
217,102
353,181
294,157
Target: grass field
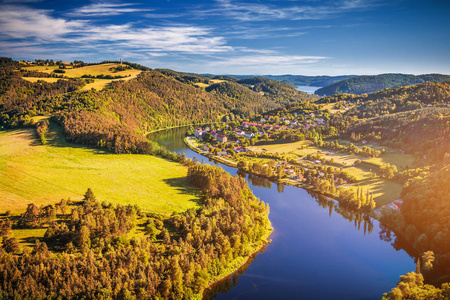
44,174
94,70
35,79
100,84
384,191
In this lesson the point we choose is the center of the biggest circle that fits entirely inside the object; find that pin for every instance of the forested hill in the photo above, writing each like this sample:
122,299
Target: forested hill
118,117
318,81
369,84
278,92
394,100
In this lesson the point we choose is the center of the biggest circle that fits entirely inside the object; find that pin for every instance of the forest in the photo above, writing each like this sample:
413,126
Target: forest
118,118
88,251
368,84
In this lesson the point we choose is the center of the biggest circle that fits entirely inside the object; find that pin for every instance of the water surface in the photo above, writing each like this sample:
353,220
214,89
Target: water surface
318,250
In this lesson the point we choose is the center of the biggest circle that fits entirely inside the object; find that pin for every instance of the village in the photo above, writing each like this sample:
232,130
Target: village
253,146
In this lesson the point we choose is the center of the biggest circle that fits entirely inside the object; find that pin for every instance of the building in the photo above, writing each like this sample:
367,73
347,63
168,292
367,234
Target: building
199,133
221,138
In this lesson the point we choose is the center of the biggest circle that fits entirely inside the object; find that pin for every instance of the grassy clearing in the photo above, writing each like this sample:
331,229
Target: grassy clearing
282,148
100,84
35,79
93,70
44,174
384,191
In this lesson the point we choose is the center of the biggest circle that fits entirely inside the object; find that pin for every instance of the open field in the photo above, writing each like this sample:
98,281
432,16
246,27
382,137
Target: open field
282,148
35,79
100,84
93,70
44,174
384,191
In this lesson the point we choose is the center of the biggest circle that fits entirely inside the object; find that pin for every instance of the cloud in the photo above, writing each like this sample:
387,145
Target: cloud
265,12
270,60
105,9
23,22
39,26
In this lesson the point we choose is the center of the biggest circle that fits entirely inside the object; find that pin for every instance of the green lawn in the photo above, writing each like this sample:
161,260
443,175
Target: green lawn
30,172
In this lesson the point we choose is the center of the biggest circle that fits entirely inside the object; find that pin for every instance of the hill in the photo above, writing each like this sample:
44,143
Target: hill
369,84
423,132
118,117
295,80
278,92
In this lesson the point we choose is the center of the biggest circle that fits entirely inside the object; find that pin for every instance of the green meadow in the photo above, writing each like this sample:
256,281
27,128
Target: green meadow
45,174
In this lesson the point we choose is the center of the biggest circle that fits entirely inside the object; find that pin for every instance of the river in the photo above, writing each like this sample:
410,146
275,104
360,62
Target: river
307,88
318,250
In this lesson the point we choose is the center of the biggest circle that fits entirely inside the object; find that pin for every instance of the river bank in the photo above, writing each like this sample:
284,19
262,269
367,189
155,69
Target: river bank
310,238
285,181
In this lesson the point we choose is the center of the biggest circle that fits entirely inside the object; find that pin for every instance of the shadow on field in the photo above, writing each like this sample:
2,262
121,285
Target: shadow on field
181,185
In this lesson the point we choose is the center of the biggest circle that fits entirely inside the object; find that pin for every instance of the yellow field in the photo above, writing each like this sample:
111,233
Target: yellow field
384,190
44,174
35,79
100,84
88,70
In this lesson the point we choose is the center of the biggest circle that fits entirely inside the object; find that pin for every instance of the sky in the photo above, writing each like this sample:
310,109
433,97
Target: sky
253,37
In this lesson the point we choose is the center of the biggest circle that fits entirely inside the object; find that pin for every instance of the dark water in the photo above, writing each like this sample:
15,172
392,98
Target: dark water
318,250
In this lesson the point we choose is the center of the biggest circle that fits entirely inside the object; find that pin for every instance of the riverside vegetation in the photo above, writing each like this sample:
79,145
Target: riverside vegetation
118,117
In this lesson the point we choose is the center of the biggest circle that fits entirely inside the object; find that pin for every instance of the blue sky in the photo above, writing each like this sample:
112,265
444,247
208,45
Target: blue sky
307,37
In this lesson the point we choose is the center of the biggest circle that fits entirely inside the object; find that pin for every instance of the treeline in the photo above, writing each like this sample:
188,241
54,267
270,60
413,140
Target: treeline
278,92
300,79
184,77
424,132
424,219
239,99
87,253
371,83
18,97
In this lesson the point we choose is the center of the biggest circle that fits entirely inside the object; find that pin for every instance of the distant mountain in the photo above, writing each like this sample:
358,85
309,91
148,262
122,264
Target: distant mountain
368,84
318,81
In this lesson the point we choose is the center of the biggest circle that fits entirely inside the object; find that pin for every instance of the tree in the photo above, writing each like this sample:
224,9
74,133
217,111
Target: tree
31,218
428,259
89,195
11,245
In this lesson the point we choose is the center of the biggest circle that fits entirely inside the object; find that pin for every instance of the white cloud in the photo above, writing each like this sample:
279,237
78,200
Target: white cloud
38,26
22,22
105,9
265,12
269,60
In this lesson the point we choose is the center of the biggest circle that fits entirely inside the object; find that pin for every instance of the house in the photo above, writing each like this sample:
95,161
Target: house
298,177
249,135
317,162
396,205
199,133
289,172
262,120
221,138
240,133
222,153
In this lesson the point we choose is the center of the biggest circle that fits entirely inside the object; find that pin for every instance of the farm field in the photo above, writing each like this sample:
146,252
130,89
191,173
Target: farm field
95,70
45,174
384,191
35,79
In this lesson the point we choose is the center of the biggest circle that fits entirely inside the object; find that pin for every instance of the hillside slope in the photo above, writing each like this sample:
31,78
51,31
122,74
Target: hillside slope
369,84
